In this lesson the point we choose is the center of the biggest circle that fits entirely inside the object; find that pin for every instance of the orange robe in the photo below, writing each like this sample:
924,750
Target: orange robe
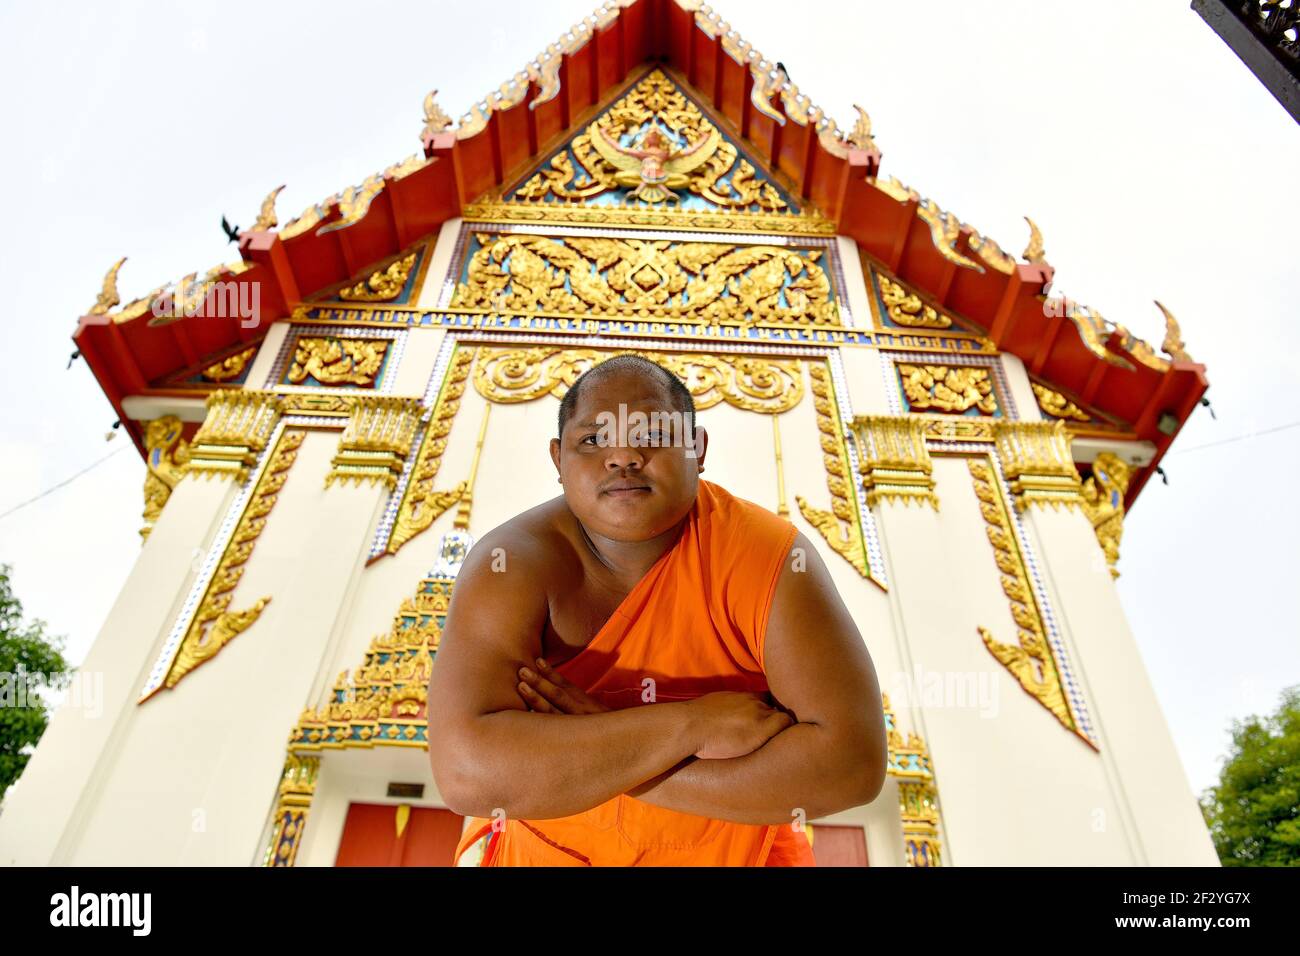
694,624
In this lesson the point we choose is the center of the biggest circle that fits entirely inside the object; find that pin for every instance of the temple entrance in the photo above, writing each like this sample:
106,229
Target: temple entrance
378,834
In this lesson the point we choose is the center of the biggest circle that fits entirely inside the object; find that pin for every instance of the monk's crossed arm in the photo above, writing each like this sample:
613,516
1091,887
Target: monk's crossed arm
488,752
819,670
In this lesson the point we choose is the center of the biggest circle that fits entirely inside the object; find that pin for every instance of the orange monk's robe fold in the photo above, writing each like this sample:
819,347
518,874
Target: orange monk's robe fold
693,625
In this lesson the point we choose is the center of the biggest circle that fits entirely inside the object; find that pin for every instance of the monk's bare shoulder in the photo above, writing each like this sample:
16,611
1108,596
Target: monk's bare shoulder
537,543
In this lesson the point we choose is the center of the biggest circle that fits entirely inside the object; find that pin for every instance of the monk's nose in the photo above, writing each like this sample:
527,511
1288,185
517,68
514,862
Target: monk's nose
624,457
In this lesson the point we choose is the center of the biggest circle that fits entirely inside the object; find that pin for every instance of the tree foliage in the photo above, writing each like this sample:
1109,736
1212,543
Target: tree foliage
31,662
1254,812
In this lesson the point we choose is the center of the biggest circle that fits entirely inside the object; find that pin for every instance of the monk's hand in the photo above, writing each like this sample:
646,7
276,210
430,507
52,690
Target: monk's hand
730,724
547,692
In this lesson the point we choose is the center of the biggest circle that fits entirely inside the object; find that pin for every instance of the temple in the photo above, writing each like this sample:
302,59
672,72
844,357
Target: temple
331,420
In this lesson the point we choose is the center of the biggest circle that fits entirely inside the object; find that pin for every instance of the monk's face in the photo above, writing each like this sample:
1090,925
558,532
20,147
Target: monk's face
629,474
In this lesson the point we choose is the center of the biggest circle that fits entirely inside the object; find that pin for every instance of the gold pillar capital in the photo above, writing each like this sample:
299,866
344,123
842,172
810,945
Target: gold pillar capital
238,425
376,440
893,459
1038,463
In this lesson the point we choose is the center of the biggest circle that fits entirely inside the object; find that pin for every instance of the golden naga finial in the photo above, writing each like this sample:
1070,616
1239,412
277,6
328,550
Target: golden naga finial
266,217
861,137
1173,343
1034,251
435,120
108,294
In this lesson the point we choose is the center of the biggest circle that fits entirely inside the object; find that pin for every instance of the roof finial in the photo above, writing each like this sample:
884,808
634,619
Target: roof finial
266,217
435,119
1034,251
108,294
861,137
1173,343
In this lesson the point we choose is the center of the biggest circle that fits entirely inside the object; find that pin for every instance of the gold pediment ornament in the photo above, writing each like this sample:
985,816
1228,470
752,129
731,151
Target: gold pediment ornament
648,144
661,279
653,157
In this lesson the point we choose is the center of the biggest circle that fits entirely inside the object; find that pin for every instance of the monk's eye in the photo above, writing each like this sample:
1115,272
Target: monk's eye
581,440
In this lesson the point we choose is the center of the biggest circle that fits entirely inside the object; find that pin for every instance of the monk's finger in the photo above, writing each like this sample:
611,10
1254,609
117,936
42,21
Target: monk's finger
535,700
556,695
581,698
553,675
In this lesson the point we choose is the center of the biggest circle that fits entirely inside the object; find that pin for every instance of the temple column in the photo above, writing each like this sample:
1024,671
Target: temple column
1148,784
61,783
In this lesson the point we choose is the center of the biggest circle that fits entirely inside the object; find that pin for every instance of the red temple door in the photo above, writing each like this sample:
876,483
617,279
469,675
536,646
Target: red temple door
839,845
398,835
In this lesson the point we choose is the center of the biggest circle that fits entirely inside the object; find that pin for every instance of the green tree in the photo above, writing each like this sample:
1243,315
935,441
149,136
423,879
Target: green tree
31,661
1254,812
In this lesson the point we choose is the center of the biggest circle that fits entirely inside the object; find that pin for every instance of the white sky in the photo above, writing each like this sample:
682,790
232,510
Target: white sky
1154,162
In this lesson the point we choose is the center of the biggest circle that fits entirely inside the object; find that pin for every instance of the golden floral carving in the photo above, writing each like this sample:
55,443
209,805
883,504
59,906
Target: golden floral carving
991,253
1057,405
335,361
421,504
1029,660
384,285
841,526
948,388
166,455
693,281
1103,503
230,367
215,625
906,308
768,386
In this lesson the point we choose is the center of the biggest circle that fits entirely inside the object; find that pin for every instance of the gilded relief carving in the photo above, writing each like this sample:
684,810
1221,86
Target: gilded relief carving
678,281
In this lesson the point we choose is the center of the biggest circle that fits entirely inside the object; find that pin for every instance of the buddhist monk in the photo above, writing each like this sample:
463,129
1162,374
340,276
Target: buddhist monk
647,670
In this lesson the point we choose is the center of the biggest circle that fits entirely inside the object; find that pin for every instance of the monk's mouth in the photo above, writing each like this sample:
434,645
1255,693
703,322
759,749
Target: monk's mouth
627,492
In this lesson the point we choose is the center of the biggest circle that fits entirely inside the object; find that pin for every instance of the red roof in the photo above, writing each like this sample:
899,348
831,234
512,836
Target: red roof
1119,376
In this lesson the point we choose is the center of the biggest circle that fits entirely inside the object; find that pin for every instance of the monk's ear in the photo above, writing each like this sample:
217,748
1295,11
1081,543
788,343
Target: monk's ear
555,453
701,445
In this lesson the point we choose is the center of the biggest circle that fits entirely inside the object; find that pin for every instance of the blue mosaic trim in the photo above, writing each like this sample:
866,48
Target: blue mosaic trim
384,531
203,579
706,333
870,533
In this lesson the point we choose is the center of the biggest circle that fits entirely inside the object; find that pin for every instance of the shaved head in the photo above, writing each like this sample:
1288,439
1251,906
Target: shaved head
679,396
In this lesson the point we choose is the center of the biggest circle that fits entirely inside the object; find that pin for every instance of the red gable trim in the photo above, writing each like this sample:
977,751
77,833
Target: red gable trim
126,357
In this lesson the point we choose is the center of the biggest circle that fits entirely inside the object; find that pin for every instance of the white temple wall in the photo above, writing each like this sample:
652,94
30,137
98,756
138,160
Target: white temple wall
65,777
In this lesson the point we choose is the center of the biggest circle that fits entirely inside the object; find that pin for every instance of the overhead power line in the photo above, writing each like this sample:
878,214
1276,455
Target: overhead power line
52,488
1228,441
